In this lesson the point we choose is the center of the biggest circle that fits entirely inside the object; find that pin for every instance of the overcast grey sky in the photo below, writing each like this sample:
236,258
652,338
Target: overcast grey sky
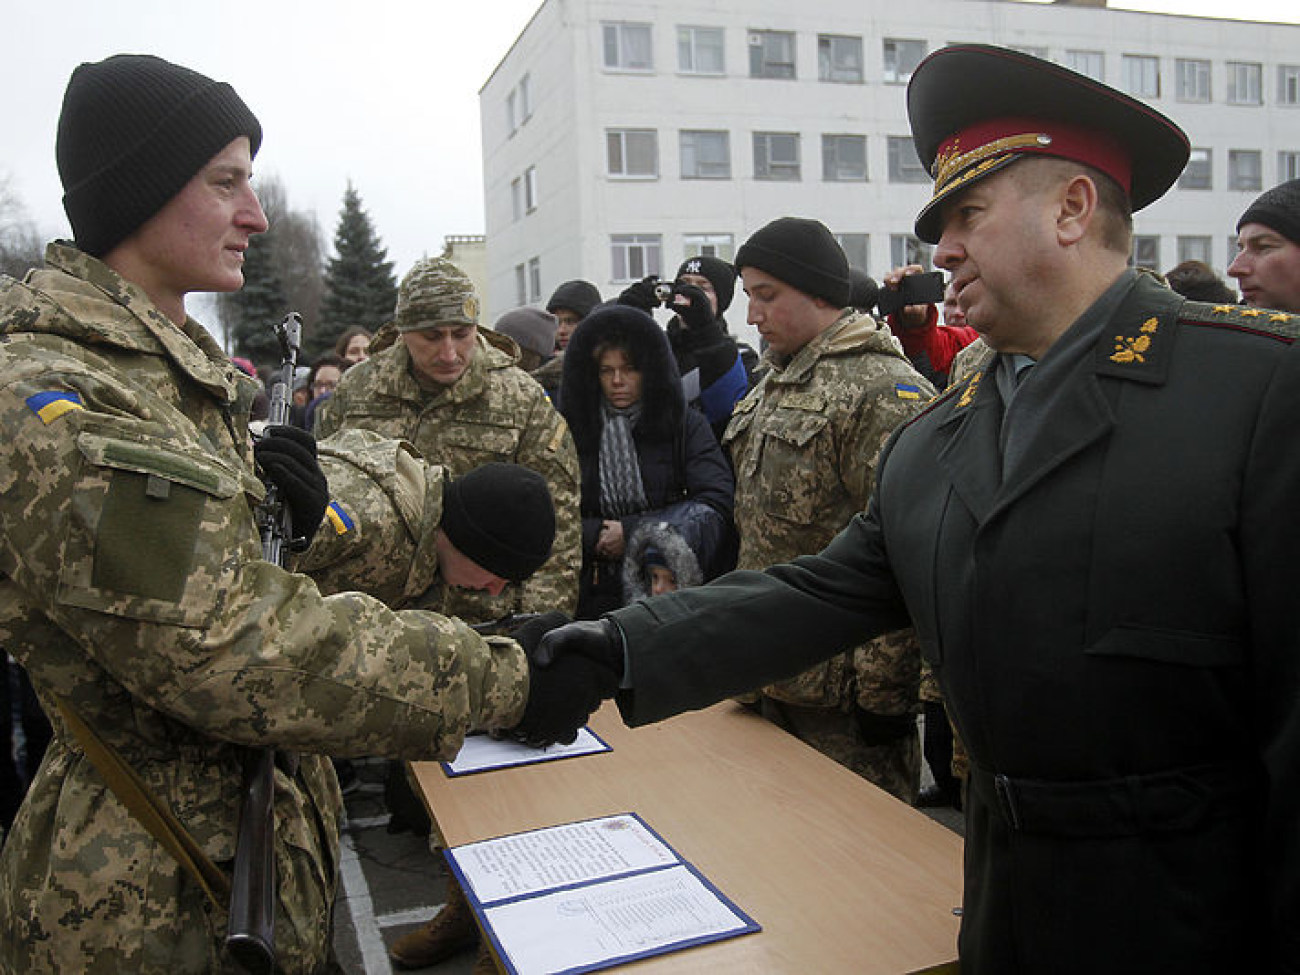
384,92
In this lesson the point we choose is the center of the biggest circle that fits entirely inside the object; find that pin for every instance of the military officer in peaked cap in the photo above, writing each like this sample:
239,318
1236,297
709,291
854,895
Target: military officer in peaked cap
1094,534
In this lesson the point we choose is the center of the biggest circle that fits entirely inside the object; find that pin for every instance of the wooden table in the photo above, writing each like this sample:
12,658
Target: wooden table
841,876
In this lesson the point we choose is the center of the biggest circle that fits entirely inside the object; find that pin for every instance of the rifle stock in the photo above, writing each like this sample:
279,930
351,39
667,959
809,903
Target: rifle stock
250,933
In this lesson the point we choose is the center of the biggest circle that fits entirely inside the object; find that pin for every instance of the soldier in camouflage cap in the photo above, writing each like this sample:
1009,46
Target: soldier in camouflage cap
132,583
454,391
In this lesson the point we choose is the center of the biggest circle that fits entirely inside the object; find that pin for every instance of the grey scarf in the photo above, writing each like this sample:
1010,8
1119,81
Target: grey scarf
621,491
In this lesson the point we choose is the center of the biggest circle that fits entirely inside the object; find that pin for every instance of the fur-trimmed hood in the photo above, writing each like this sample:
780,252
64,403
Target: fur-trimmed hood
662,404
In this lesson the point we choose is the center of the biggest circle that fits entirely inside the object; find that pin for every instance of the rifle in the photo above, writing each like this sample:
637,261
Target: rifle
250,935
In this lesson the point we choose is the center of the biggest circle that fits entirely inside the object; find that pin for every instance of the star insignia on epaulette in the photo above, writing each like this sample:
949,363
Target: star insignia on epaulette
968,393
1131,348
1224,309
1251,313
1279,316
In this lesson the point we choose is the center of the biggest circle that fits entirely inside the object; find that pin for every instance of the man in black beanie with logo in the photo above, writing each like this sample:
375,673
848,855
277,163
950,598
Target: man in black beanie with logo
1267,265
137,596
803,443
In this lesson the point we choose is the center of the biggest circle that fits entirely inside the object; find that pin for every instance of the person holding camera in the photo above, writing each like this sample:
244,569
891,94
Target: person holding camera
931,347
716,370
804,443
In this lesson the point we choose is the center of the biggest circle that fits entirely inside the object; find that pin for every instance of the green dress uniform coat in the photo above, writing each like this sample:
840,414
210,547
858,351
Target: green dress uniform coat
132,587
494,412
1114,628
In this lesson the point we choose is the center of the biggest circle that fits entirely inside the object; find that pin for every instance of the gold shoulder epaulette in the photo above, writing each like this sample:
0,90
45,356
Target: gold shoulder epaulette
1263,321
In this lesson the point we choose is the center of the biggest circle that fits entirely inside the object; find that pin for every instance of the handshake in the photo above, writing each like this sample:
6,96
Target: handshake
572,668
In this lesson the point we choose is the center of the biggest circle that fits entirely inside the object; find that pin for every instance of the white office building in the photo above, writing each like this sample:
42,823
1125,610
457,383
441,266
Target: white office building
621,137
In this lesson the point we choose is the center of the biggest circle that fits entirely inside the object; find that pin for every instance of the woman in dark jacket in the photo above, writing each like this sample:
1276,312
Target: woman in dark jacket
639,448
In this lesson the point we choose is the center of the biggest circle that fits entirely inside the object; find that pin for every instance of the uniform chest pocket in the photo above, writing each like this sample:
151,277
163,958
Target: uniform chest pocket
148,531
795,473
487,441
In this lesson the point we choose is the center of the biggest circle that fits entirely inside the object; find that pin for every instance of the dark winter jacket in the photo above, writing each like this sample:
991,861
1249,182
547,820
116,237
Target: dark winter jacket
715,372
678,454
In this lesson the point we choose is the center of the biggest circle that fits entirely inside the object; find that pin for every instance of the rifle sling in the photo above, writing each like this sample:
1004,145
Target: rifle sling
151,812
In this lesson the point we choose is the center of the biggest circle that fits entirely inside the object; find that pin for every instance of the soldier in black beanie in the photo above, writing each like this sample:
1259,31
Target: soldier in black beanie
1267,266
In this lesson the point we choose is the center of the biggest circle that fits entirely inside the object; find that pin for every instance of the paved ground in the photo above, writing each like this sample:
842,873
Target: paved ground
391,882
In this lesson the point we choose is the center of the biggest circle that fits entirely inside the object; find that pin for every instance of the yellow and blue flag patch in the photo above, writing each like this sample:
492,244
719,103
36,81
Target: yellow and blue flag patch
51,405
339,518
907,391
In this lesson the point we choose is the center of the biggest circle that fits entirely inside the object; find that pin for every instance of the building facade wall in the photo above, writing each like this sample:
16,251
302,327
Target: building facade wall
577,100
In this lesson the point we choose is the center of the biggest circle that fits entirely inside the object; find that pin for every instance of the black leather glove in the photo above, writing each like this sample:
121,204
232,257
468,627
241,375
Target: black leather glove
561,698
528,634
641,295
695,311
287,457
597,641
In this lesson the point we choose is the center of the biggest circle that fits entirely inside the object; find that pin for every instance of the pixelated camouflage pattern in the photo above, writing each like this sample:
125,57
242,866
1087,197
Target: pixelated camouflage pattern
391,503
973,357
435,292
132,586
804,443
495,412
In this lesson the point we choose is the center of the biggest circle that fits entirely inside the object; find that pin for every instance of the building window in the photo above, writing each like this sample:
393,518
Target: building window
521,284
908,249
534,280
706,155
1288,84
1146,252
517,197
776,155
720,246
632,152
628,47
856,249
700,51
844,157
1194,249
904,164
771,54
1245,171
1245,83
525,101
1090,63
1288,165
511,120
901,59
530,189
1199,172
1193,80
1141,75
633,256
839,58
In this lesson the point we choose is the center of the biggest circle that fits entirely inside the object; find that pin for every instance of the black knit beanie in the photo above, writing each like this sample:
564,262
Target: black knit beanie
803,254
133,131
578,296
501,517
1278,209
719,273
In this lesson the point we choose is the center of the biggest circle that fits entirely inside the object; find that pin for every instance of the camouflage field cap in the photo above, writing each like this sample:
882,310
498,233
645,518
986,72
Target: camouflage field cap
435,292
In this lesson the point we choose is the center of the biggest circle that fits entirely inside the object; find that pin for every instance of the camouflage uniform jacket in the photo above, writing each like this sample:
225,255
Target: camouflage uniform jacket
495,412
804,443
132,585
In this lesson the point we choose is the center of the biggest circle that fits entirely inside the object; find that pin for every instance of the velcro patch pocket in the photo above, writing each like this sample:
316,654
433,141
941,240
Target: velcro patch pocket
141,528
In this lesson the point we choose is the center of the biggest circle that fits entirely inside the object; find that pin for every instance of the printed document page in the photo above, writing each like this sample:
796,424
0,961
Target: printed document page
482,753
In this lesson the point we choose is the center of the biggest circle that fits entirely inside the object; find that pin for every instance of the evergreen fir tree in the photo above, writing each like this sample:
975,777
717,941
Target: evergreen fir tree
360,288
250,314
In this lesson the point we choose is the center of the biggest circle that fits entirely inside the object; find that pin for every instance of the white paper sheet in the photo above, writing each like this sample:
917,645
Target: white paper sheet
480,753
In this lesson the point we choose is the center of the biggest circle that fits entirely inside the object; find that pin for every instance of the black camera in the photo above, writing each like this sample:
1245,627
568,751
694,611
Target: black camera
915,289
664,291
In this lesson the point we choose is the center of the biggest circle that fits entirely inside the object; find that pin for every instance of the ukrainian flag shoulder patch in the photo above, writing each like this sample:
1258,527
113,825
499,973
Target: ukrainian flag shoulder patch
339,518
51,405
907,391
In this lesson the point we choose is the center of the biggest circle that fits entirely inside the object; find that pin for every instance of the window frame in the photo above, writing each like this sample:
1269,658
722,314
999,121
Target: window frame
1191,75
682,138
692,31
621,32
622,136
1147,80
649,247
890,65
1191,178
768,169
1245,180
830,154
1238,71
908,169
831,70
763,66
